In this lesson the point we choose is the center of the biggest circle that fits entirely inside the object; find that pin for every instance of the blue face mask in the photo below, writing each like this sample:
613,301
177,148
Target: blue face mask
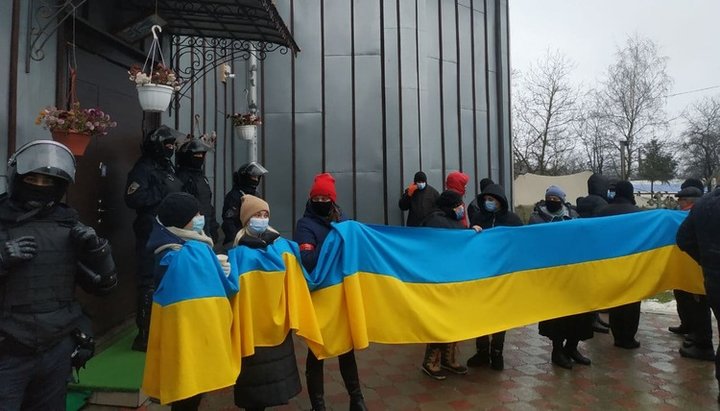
421,186
460,212
198,223
258,225
490,206
610,195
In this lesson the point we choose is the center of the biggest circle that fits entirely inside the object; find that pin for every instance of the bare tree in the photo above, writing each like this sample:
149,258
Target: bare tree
632,97
544,110
702,140
593,133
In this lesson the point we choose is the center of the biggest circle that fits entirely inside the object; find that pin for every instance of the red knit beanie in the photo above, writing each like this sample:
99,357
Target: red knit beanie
324,185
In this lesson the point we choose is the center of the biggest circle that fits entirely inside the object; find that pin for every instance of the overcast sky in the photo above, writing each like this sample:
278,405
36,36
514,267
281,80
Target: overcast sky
589,32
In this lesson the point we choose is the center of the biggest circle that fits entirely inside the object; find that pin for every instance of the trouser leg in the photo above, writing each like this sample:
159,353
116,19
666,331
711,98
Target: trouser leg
188,404
315,383
701,321
48,389
684,301
349,372
624,321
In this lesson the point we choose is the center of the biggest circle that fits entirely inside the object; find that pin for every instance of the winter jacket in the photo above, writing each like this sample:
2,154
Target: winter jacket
163,239
195,183
419,205
489,219
698,234
541,214
310,232
231,223
620,205
596,198
269,377
442,218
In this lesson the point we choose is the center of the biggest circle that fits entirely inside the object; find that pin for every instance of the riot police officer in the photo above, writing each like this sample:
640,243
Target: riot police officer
150,180
190,159
44,252
245,181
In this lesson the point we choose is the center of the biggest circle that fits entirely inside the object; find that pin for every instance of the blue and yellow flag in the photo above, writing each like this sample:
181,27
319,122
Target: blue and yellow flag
417,285
190,349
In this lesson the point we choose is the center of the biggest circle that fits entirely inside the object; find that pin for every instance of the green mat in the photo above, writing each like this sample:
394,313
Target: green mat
75,400
117,368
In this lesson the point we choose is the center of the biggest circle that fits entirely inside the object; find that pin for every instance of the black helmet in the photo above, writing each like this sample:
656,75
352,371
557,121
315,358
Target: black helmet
154,142
45,157
184,156
251,169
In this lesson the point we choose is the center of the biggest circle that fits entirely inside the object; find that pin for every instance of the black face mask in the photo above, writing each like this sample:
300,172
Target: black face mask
248,185
553,206
197,162
168,152
32,196
322,208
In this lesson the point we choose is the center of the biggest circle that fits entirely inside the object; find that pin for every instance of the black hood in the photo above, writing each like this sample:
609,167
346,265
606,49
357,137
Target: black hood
497,191
598,185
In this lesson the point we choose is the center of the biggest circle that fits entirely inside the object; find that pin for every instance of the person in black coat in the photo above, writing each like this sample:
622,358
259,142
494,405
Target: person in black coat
190,159
245,181
476,204
564,332
151,179
45,252
418,199
598,187
449,213
269,377
698,236
495,212
624,320
321,211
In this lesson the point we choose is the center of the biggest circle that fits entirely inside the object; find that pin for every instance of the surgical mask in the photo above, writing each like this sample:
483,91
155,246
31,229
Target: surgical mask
198,223
490,206
258,225
553,206
421,186
322,208
459,212
610,195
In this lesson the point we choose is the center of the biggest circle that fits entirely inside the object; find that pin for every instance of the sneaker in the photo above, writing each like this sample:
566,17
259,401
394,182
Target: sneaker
480,359
697,353
434,374
454,368
599,328
602,322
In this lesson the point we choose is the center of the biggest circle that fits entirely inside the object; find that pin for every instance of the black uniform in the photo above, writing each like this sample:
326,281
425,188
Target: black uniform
190,172
245,181
150,180
45,252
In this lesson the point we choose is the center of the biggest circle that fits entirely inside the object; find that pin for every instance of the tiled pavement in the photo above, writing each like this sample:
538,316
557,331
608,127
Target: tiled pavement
651,377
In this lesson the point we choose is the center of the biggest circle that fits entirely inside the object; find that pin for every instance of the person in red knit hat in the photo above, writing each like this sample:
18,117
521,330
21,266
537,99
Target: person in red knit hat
457,182
310,232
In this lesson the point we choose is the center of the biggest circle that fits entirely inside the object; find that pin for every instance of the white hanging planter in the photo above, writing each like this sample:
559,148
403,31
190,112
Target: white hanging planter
246,132
155,97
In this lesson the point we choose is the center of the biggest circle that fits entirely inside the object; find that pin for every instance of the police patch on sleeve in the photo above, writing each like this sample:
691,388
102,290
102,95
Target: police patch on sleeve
133,187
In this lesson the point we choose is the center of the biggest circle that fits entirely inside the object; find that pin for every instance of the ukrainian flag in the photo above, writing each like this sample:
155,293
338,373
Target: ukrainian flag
400,285
190,349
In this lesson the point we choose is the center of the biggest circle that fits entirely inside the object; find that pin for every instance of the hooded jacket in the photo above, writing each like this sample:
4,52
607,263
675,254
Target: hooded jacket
310,233
597,196
501,217
419,205
698,236
541,214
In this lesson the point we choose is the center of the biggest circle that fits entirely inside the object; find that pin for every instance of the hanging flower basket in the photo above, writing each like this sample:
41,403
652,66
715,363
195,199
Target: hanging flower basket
75,141
154,97
246,132
156,82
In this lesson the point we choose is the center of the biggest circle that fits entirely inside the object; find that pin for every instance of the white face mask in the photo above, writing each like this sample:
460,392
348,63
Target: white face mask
198,223
421,186
258,225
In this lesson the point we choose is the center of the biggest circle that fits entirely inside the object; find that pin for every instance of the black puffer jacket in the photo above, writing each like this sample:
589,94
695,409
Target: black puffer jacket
597,196
698,234
419,205
620,205
442,218
269,377
502,217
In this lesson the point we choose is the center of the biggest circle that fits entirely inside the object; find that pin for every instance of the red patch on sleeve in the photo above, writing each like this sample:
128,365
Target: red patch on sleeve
307,247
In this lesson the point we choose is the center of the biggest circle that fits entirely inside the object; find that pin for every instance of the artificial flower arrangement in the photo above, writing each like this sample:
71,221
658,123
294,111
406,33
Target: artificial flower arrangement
159,75
245,119
91,121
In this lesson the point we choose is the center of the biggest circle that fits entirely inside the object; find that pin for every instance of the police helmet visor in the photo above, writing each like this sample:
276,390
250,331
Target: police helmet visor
194,146
44,157
252,169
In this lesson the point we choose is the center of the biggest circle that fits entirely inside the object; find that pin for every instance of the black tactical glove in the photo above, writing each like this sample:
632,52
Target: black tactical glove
85,237
18,250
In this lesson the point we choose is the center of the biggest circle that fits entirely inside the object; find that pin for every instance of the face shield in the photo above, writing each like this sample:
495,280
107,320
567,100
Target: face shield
252,169
43,157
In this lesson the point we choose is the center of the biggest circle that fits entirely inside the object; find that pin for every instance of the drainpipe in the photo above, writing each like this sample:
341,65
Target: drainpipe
252,101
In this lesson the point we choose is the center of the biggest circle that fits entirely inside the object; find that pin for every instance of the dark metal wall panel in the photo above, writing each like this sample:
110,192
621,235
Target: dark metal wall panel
430,100
464,85
338,26
504,76
494,127
278,190
5,35
307,31
308,130
367,27
392,113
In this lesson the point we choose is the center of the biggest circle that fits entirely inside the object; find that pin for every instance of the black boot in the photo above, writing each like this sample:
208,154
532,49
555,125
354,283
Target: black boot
482,356
496,360
349,372
559,357
572,352
142,319
357,402
315,384
431,362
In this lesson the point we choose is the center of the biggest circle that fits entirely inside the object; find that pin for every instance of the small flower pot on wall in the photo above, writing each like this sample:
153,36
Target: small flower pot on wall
154,97
76,142
246,132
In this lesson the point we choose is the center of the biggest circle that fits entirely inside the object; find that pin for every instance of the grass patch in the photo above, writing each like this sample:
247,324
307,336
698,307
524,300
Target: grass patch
663,297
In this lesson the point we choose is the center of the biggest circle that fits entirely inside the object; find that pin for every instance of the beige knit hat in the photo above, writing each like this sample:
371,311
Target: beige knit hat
250,206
